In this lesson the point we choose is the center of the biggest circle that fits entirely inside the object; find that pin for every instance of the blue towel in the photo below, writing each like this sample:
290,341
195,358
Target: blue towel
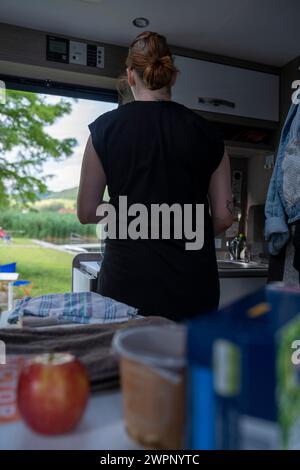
73,307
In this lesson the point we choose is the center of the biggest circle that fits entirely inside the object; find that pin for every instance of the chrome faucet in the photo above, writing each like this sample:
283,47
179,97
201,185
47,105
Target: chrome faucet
236,245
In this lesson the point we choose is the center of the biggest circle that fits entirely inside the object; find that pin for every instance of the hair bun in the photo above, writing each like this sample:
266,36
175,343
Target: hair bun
159,72
165,60
150,56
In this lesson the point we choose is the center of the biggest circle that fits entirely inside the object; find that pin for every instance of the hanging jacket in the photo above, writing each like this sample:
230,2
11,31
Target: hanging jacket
296,243
283,198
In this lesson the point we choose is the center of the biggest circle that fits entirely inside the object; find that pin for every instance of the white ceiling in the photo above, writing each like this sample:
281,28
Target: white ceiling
265,31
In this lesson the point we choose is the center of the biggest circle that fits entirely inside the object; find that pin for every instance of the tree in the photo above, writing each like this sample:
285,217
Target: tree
23,118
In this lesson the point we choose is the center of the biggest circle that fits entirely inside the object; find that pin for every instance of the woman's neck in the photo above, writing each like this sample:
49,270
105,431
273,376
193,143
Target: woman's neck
149,95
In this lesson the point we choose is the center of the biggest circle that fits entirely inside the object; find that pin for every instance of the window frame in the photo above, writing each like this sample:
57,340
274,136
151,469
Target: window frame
63,89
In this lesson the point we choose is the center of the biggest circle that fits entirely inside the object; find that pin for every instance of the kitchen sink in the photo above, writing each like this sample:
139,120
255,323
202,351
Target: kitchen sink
238,264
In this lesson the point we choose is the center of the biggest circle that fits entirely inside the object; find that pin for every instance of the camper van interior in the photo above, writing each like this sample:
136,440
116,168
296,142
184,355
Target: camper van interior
111,341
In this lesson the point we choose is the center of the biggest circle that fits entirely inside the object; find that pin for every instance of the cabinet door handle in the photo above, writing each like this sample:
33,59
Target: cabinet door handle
216,102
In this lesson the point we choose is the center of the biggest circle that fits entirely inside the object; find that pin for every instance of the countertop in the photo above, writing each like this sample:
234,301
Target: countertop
242,270
101,428
93,267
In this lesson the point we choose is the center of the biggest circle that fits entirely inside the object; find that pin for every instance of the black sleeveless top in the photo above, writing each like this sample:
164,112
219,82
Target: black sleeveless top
159,152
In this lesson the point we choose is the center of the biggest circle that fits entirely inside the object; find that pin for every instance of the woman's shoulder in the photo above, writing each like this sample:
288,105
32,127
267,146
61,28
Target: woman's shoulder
117,116
107,116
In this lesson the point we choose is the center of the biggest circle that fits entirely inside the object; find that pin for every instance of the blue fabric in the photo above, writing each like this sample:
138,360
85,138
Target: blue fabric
21,283
8,268
283,198
75,307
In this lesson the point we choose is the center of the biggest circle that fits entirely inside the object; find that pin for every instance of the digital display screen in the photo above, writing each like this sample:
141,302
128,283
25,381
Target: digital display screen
59,47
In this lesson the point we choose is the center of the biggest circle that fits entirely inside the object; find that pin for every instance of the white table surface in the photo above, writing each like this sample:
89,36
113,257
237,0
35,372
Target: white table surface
101,428
8,277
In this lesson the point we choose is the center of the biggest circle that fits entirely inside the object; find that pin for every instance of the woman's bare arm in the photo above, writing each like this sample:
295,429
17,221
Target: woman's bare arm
220,197
91,187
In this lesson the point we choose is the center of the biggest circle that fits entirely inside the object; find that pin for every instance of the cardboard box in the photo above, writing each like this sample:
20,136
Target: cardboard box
244,377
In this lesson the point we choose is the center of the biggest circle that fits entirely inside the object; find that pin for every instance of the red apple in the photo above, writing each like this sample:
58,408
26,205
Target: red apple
53,390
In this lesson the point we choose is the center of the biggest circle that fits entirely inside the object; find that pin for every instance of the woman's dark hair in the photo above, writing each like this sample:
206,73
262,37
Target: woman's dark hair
149,55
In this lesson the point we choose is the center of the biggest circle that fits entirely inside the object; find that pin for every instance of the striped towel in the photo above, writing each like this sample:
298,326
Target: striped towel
72,307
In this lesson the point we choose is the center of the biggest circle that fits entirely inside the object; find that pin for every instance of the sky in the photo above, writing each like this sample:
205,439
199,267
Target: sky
67,172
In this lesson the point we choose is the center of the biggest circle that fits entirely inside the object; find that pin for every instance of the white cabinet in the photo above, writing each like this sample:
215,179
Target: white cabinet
219,88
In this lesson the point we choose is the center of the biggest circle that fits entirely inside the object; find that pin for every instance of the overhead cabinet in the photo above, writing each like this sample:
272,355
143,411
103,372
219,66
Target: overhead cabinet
219,88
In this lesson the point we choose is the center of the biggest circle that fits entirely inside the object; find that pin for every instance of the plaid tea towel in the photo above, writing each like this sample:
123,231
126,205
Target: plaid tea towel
71,307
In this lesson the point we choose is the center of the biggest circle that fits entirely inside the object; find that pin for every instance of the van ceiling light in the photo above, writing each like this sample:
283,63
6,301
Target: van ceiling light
141,22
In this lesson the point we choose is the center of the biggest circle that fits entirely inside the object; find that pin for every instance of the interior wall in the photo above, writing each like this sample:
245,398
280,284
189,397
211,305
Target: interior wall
258,180
258,184
24,46
240,164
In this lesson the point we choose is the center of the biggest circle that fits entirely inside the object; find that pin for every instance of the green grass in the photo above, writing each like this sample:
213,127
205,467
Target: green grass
44,225
70,193
48,205
50,271
16,241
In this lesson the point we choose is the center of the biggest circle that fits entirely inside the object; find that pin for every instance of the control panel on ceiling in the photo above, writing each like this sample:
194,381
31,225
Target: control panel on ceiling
74,52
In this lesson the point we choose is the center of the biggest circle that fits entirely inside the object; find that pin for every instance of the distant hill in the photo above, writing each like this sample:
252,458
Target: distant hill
70,193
